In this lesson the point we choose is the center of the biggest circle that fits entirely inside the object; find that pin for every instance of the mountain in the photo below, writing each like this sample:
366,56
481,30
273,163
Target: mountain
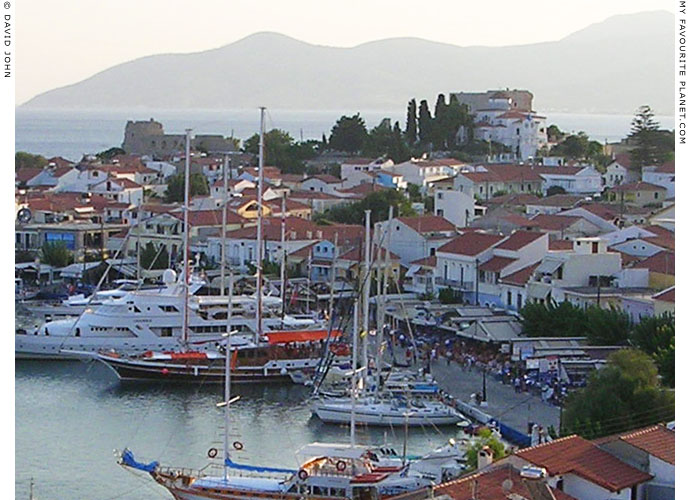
610,67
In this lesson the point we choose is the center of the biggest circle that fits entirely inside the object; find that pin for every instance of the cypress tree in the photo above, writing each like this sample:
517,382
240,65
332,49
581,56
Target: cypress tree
425,122
411,126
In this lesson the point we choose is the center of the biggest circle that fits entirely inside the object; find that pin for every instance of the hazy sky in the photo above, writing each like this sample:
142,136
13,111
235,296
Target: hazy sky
59,43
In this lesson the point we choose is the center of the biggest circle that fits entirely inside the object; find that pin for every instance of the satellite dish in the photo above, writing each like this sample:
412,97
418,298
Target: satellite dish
507,485
24,215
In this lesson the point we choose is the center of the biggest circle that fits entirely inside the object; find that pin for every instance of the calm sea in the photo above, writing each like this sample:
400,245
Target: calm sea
70,416
71,134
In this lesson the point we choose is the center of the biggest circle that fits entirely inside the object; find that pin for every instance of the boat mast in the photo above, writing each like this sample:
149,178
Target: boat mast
367,289
185,316
378,238
226,440
355,334
283,257
223,258
260,188
384,281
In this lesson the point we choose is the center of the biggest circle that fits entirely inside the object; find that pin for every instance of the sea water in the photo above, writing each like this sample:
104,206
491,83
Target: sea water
71,134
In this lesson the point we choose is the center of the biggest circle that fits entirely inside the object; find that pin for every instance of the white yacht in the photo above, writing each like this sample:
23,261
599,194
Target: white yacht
151,320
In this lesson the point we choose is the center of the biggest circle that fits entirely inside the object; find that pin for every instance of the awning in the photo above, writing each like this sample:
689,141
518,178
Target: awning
284,337
76,270
548,266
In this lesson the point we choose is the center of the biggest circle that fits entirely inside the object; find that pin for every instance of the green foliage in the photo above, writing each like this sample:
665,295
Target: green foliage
656,336
485,438
414,192
499,192
281,150
623,395
27,160
384,140
425,123
149,253
411,122
198,185
378,202
56,254
551,320
554,133
606,326
652,146
108,154
269,268
447,296
349,134
555,190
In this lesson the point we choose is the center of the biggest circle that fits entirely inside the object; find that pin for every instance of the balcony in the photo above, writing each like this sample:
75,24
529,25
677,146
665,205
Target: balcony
462,285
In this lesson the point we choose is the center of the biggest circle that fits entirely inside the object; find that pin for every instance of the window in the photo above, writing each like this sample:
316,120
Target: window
439,212
519,301
509,298
440,195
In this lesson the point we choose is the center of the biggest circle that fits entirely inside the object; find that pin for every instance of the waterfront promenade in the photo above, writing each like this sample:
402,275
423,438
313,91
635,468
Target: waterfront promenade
513,409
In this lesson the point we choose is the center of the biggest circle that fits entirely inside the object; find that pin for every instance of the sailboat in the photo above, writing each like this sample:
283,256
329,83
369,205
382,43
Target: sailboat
272,356
377,408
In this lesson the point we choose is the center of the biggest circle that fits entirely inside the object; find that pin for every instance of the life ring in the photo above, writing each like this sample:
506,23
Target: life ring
340,465
237,445
303,474
212,453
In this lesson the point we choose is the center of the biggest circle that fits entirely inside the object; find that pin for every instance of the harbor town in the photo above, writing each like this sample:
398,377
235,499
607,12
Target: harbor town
470,305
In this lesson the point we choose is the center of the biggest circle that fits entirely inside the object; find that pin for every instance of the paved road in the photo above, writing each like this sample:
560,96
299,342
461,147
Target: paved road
504,404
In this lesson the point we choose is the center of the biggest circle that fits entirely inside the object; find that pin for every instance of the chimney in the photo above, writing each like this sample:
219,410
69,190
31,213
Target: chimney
485,457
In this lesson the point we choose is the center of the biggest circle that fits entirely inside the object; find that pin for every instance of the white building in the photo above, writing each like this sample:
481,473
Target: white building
583,179
664,175
324,183
421,172
455,206
413,238
620,171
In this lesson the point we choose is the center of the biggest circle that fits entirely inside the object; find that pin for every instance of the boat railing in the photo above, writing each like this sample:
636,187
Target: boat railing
214,469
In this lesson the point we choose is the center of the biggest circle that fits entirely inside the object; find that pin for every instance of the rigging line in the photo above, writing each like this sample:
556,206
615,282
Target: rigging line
616,428
650,411
612,422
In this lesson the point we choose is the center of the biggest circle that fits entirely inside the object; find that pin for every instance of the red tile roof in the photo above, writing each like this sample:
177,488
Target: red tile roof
25,174
327,178
312,195
664,242
661,262
623,159
425,261
660,231
470,243
59,161
365,189
554,222
495,264
638,186
428,224
513,199
357,161
489,485
559,200
657,440
520,239
276,205
578,456
600,210
668,295
210,217
667,168
521,277
504,173
517,220
556,245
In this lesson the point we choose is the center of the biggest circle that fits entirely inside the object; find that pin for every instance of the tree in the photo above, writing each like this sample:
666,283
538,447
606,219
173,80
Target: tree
439,126
281,150
27,160
485,438
623,395
656,335
411,123
542,320
384,140
425,122
645,134
447,296
349,134
607,326
573,147
378,202
56,254
414,192
149,253
554,134
198,185
108,154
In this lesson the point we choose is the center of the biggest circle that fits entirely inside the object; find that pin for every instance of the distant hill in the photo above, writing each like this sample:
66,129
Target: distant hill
610,67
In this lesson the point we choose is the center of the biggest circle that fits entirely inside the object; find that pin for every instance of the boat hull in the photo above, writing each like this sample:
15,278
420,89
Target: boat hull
373,417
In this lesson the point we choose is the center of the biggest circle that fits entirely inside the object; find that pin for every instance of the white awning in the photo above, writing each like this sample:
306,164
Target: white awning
548,266
75,270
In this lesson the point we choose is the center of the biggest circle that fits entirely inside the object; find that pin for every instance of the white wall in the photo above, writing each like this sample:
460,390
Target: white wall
585,490
455,206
